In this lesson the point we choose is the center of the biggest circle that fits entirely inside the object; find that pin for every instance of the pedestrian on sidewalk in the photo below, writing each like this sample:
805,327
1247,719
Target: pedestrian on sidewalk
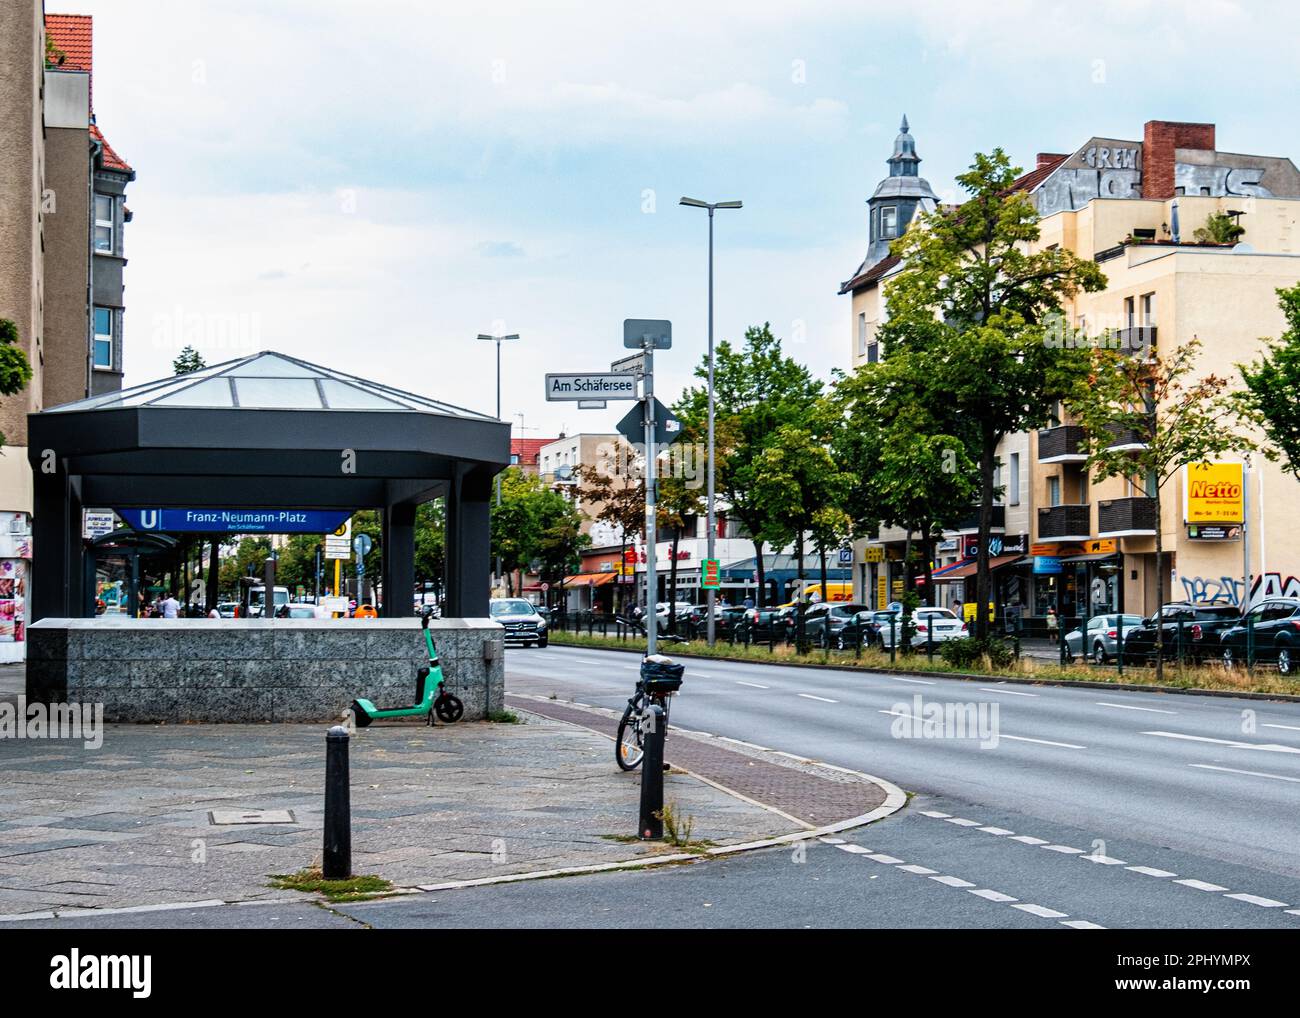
1053,625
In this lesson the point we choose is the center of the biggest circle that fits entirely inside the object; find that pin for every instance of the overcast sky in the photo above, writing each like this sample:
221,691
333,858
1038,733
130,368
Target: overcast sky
368,185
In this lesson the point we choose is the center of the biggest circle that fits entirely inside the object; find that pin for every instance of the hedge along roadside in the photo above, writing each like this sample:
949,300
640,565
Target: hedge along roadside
1198,681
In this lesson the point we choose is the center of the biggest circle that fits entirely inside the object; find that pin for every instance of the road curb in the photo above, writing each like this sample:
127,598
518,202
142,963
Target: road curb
1131,687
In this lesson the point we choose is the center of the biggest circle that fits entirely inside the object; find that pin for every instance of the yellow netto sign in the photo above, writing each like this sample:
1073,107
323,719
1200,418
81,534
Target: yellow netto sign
1214,493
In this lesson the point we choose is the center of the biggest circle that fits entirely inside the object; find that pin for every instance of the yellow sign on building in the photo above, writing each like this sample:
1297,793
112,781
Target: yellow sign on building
1214,493
873,553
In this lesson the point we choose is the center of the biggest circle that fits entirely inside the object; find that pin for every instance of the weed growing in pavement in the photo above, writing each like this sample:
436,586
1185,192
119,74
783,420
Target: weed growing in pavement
505,717
352,889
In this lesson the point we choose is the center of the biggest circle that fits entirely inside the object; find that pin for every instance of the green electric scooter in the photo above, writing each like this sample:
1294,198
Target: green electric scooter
430,697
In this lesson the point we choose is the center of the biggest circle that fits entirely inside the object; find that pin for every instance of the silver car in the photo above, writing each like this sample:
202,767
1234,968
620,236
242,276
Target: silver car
1102,631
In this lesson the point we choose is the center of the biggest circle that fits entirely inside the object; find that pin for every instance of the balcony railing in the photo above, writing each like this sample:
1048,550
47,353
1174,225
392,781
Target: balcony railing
970,523
1127,517
1065,523
1126,439
1136,339
1061,445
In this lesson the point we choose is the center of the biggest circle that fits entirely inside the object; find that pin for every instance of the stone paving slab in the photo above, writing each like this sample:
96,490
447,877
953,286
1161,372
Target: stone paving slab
128,824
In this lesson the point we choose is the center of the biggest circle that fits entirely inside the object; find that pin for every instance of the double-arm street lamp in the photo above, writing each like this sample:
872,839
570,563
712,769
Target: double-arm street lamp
710,594
498,340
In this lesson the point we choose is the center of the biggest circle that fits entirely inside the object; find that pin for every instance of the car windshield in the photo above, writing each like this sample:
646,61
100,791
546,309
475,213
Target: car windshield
510,608
935,613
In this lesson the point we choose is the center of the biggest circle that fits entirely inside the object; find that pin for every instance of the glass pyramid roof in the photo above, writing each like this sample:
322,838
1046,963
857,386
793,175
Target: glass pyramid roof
268,381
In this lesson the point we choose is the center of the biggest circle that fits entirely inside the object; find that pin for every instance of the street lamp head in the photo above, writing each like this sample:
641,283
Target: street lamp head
694,203
498,339
729,205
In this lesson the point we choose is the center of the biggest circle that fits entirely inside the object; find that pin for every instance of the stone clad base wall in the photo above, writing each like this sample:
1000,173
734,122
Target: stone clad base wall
249,670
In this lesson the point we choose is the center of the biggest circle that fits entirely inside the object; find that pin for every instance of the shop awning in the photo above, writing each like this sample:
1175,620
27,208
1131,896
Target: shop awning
961,572
1100,557
589,579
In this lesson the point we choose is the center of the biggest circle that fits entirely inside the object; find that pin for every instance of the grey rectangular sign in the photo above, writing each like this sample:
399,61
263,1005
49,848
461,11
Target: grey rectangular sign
591,404
591,385
659,331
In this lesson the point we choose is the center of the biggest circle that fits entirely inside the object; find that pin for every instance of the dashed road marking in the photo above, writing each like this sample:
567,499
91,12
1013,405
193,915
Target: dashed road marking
918,682
880,857
1103,860
823,699
752,685
1081,924
1129,706
1151,871
953,881
1063,849
920,871
999,831
1041,912
1200,885
961,822
1006,692
1267,747
997,896
854,849
1027,840
1041,742
1289,728
1253,774
1255,899
935,813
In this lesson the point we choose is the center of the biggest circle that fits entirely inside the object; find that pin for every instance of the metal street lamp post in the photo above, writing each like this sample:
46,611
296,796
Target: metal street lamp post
498,340
710,594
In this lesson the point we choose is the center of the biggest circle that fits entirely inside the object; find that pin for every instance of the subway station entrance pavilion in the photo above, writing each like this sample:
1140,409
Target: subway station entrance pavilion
267,431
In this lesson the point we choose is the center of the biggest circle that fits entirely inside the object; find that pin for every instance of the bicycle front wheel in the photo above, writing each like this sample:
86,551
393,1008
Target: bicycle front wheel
628,748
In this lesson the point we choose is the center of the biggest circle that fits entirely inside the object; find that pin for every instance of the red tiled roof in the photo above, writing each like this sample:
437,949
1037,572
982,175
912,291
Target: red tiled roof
528,449
111,160
871,274
72,34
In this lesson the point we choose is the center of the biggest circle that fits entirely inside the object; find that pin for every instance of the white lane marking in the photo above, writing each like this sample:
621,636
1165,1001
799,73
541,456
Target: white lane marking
1267,747
1289,728
960,822
999,831
1044,913
1063,849
752,685
899,678
1151,871
1008,692
888,860
1253,774
1026,839
935,813
702,675
1200,885
1129,706
1293,911
997,896
1081,924
918,870
1104,860
953,881
1254,899
809,696
854,849
1041,742
831,841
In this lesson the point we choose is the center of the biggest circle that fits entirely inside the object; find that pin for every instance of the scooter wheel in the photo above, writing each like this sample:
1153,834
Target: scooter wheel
448,708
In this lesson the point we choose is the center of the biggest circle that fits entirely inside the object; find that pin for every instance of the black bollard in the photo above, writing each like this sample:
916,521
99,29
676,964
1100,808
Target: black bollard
337,857
651,825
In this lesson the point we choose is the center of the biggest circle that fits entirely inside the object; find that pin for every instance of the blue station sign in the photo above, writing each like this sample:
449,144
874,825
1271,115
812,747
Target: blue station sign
236,521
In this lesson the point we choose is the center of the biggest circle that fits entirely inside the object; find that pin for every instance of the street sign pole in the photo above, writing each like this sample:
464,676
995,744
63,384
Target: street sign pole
651,579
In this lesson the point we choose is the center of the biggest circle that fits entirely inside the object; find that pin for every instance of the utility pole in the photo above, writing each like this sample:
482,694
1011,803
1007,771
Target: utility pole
651,579
498,340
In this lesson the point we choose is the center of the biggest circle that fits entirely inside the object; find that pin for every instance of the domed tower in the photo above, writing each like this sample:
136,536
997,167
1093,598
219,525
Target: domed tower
897,198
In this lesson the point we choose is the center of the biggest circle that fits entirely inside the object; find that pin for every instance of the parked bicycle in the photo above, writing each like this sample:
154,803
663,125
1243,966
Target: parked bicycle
660,678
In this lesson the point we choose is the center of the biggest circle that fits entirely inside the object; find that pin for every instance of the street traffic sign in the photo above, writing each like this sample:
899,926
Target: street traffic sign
632,362
591,404
361,544
637,330
591,385
668,429
338,545
709,577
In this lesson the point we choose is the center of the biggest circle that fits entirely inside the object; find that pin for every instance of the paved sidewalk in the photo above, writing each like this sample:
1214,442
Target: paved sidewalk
131,823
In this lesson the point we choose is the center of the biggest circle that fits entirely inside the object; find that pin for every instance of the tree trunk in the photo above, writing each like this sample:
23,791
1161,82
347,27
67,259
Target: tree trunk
927,549
798,595
821,554
761,573
988,457
907,563
672,584
214,573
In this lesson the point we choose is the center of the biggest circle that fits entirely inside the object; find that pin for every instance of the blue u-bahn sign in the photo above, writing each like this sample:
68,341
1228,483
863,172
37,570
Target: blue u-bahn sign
237,521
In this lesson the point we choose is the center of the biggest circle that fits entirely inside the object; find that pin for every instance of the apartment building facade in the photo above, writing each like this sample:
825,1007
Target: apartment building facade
62,215
1133,206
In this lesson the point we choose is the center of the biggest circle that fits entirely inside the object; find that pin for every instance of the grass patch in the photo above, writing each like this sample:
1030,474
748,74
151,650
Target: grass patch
1212,677
310,881
505,717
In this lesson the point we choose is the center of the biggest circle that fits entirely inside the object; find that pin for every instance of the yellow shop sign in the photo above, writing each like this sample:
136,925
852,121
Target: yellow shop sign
1214,493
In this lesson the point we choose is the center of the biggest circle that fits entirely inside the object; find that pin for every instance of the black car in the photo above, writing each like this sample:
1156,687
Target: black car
1274,626
824,623
1201,624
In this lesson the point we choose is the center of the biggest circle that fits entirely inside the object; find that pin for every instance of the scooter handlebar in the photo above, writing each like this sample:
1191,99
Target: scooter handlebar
424,619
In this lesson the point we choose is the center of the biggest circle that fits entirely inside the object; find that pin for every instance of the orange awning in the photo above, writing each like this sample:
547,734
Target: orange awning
968,570
589,579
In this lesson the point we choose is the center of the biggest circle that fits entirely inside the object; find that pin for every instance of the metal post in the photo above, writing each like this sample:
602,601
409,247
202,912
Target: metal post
336,860
1180,642
651,823
893,635
711,514
929,640
498,478
651,495
268,583
1245,531
1119,646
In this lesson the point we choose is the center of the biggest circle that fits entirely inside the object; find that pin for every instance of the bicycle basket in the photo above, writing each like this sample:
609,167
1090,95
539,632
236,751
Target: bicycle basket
660,674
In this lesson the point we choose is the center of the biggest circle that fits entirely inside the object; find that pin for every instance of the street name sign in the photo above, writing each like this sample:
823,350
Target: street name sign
636,331
632,362
591,385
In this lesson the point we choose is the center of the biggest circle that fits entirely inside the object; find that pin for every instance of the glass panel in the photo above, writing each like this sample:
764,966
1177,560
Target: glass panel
272,366
103,353
104,238
103,322
342,396
214,392
103,208
278,393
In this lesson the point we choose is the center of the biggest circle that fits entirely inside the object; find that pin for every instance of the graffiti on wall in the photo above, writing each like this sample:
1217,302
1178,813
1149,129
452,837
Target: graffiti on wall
1219,181
1228,589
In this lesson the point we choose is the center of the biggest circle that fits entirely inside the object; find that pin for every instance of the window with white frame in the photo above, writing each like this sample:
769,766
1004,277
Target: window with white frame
1053,491
103,349
889,222
1148,310
104,223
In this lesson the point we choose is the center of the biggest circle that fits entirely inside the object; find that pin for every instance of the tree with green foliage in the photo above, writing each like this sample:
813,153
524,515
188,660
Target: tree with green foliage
973,294
795,479
1272,383
250,552
1182,420
431,543
188,361
533,525
15,369
758,390
680,501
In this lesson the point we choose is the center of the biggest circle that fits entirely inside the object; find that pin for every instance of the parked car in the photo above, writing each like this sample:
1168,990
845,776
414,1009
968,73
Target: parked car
298,611
1202,626
1102,637
228,609
871,623
937,625
520,620
1276,634
824,623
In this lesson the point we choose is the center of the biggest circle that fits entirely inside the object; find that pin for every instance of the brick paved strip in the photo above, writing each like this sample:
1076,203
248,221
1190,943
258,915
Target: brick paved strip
798,793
